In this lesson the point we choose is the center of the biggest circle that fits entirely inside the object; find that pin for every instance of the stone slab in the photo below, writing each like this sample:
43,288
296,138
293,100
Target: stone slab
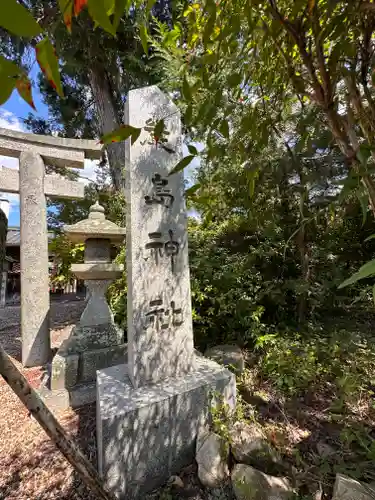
91,148
160,334
75,368
64,371
59,157
100,271
54,185
145,435
62,399
92,337
346,488
58,186
93,360
9,180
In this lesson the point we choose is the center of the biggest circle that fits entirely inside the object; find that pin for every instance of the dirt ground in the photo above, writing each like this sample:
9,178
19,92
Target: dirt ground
31,468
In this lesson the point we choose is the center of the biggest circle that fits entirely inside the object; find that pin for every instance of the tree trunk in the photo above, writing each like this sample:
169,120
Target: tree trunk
302,245
45,418
305,274
108,120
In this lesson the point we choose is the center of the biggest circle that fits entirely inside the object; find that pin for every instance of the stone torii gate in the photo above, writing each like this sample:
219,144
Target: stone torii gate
33,185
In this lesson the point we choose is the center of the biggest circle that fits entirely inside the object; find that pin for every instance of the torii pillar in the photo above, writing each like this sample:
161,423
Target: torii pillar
33,185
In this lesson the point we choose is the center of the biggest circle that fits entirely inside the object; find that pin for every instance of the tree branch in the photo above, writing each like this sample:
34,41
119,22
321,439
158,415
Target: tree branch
317,32
305,56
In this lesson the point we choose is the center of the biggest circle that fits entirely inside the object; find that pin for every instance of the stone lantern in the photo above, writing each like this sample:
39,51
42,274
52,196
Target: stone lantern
96,342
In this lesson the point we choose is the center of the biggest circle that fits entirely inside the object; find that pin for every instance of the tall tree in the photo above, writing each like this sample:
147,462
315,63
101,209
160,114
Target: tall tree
272,55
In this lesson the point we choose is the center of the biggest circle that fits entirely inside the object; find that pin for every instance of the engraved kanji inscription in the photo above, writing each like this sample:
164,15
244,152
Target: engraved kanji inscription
160,248
161,194
160,318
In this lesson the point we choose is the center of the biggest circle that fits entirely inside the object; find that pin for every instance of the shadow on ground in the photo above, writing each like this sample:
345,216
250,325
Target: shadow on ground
64,313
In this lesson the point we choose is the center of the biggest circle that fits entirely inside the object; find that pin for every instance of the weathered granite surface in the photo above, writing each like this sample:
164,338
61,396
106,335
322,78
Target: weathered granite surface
159,316
347,488
33,184
97,271
94,227
147,434
227,355
36,346
212,457
252,484
54,185
96,342
57,150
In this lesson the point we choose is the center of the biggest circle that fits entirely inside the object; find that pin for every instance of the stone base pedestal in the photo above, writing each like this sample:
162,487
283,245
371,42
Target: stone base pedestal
73,371
145,435
62,399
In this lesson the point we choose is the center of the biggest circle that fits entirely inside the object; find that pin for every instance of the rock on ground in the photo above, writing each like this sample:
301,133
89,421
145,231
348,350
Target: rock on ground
252,484
212,459
227,355
349,489
248,444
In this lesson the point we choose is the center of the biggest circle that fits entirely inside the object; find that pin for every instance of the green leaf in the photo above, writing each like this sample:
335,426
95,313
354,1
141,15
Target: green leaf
120,7
8,68
182,164
136,133
192,189
372,237
98,12
363,200
208,29
120,134
18,20
363,154
66,7
188,114
109,6
192,150
234,79
6,88
159,129
48,62
150,4
144,37
205,78
23,85
365,271
186,90
224,128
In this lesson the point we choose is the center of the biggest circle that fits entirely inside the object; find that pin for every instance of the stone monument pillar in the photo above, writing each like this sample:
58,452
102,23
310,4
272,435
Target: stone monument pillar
96,342
150,411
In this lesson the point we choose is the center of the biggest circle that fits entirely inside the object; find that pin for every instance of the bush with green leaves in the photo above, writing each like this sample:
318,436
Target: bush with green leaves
337,362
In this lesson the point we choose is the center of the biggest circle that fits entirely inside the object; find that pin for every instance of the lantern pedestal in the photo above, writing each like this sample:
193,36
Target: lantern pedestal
96,342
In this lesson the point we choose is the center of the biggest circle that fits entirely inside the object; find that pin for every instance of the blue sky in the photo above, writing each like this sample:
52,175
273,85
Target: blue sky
11,115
